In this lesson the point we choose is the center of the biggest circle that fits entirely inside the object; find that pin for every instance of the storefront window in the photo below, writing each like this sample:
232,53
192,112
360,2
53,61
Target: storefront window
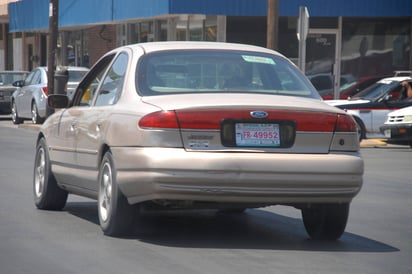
288,43
162,32
211,28
196,28
146,32
181,28
375,46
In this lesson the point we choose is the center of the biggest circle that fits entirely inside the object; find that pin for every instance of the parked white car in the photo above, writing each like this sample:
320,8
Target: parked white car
398,127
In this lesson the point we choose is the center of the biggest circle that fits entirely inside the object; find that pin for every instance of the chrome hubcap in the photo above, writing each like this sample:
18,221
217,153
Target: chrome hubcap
105,192
34,114
39,173
13,112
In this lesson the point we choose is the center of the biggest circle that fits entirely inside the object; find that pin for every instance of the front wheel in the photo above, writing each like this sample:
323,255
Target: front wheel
47,194
326,221
14,115
116,216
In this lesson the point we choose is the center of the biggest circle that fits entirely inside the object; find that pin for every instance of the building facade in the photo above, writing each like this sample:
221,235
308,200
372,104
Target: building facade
346,39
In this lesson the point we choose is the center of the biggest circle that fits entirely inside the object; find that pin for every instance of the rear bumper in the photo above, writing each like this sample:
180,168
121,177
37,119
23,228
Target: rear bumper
264,178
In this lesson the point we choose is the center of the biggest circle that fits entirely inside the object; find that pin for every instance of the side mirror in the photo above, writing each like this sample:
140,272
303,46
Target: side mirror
57,101
18,83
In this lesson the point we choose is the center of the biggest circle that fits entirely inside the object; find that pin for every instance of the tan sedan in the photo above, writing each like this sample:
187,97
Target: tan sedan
198,125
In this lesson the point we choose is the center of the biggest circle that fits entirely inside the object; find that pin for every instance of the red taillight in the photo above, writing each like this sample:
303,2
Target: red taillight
160,119
345,123
45,91
211,119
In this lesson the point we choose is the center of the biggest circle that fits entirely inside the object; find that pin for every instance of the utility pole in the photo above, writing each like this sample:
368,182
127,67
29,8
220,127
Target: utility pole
272,24
52,48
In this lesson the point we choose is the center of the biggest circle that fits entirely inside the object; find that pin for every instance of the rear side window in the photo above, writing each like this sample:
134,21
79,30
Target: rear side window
212,71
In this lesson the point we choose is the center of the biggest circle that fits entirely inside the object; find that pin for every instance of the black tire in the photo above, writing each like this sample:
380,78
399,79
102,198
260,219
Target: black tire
14,115
326,221
35,118
116,216
47,194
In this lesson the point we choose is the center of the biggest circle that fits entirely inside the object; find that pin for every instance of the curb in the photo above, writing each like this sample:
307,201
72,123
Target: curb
29,126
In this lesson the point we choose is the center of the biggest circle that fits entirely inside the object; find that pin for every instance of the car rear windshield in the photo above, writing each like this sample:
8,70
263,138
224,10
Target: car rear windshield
214,71
7,79
76,75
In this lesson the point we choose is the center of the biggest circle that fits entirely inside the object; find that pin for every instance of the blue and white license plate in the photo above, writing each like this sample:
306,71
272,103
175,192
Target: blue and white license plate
254,134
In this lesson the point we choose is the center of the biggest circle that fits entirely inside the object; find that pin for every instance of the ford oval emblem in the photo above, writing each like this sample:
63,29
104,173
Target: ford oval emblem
259,114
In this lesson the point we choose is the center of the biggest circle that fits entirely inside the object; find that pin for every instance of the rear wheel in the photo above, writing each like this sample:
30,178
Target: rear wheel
47,194
116,216
35,118
14,115
326,221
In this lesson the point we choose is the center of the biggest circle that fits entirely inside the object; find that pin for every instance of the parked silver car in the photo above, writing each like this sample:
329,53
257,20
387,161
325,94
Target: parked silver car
198,125
7,78
30,99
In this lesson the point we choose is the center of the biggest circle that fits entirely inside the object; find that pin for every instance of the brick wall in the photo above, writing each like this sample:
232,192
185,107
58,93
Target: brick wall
101,40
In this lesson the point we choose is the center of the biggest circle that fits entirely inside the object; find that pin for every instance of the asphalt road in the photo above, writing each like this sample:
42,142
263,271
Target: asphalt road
378,238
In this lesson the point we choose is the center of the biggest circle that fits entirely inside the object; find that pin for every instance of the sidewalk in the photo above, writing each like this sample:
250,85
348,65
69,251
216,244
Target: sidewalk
373,143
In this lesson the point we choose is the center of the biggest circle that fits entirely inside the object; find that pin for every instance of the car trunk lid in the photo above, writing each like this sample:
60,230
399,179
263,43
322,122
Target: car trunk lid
258,123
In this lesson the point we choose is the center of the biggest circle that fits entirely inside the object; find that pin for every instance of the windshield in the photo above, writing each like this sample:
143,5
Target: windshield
376,90
209,71
348,85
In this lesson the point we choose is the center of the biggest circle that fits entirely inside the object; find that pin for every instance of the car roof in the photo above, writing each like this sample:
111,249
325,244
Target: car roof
397,79
188,45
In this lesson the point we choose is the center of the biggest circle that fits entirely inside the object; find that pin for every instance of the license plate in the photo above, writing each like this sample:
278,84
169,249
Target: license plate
254,134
